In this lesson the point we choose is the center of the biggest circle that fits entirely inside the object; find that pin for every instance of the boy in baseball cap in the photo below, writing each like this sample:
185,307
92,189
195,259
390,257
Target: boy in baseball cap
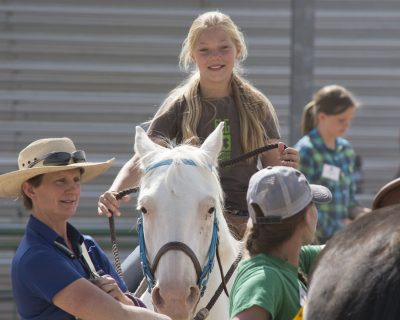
271,281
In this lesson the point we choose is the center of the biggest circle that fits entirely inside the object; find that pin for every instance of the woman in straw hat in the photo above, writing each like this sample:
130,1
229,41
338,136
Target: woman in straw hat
55,269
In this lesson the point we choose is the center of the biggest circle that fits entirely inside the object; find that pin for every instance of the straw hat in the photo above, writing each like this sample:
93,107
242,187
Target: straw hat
30,164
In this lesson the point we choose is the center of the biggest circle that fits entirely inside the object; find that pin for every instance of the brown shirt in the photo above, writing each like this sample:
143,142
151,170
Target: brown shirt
235,178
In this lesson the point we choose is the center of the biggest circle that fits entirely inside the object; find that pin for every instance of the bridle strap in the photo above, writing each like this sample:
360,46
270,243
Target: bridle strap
221,271
203,312
178,246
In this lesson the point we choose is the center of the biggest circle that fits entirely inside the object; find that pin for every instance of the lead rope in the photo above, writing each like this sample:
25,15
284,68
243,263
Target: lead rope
114,247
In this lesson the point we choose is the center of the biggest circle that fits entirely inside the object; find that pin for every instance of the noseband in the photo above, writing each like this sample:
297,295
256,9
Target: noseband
150,269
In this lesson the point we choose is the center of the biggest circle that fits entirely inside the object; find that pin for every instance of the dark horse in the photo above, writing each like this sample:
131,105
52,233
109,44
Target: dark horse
357,275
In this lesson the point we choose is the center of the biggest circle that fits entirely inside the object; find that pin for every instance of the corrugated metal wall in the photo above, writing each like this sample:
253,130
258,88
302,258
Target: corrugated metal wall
357,45
93,69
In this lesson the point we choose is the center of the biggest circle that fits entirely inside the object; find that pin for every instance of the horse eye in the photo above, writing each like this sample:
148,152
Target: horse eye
143,209
211,210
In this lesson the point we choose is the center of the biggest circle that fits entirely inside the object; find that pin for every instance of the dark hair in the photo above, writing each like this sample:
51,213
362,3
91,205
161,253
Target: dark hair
262,238
331,100
34,182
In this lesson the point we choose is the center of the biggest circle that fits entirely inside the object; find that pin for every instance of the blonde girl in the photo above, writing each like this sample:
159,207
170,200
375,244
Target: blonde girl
213,92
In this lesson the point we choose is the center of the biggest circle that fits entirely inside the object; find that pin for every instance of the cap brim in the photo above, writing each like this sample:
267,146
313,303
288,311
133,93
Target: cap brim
320,194
10,183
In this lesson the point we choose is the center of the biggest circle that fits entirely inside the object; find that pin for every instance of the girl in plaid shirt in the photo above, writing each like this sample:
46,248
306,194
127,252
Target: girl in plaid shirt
328,159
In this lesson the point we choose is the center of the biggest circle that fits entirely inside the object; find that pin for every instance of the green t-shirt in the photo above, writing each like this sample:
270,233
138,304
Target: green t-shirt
271,283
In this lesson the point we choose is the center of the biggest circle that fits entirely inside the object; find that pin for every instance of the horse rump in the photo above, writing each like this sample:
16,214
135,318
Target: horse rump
357,275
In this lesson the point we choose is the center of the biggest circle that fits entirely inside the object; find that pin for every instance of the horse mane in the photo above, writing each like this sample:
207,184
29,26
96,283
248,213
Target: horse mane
357,275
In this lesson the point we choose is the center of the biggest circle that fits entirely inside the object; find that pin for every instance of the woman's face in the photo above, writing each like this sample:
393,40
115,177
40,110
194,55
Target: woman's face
215,55
336,125
57,197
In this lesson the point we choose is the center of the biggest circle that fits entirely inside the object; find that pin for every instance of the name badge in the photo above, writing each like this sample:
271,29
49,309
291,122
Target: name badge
331,172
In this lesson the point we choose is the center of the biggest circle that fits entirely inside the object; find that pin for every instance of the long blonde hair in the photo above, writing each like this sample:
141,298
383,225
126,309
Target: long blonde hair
331,100
253,107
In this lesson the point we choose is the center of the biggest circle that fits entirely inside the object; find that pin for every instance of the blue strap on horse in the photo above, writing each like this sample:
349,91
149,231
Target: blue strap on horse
203,280
168,162
148,275
203,277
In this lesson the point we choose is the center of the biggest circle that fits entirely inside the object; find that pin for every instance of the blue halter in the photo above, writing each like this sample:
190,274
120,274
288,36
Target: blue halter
203,277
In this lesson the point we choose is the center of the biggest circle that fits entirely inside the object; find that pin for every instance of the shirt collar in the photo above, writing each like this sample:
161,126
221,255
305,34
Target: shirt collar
319,143
50,235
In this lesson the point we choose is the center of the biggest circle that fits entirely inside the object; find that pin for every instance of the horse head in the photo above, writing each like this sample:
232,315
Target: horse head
181,201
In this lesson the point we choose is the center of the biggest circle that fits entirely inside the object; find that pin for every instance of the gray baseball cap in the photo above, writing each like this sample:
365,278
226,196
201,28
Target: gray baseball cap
277,193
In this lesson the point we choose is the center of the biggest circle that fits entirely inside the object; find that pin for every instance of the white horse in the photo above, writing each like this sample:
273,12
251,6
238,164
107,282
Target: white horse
181,201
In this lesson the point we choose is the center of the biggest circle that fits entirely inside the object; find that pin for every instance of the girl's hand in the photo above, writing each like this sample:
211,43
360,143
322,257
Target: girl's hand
109,205
289,157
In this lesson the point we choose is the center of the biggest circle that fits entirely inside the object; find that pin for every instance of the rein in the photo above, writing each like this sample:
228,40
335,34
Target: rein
114,247
248,155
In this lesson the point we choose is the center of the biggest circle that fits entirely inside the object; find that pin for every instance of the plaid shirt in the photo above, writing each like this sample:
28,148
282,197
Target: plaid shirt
313,155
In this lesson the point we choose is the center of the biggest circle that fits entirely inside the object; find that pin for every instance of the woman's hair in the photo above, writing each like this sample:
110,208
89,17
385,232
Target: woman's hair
34,182
262,238
331,100
253,107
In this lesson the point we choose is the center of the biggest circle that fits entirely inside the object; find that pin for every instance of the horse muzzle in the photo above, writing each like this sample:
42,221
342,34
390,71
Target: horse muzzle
176,301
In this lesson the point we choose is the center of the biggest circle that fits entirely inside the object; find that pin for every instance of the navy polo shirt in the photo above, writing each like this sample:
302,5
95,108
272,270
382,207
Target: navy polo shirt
40,269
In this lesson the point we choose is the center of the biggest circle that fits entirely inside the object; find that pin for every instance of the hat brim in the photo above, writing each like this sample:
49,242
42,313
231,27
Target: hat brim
10,183
320,194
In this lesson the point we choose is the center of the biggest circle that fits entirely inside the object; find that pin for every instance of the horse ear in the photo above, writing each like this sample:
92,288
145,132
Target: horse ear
213,144
143,144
